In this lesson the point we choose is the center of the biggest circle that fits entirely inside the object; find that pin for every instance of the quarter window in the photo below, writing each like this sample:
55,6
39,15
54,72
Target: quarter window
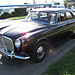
69,15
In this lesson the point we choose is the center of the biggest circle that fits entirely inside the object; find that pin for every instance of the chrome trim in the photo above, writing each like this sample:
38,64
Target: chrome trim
13,56
10,54
8,39
18,57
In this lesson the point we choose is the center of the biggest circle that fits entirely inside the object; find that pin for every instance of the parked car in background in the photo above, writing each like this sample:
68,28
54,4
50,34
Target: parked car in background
29,38
73,8
58,6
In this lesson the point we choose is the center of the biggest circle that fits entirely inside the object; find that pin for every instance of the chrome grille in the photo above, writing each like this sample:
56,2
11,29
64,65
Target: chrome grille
7,42
1,43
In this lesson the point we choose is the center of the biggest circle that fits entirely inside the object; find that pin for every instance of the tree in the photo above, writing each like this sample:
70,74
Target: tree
70,0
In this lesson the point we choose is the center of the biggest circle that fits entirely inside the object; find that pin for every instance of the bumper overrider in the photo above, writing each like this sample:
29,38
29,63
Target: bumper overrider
7,49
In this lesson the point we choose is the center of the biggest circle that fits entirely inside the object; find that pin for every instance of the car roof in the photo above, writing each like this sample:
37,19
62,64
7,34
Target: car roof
51,9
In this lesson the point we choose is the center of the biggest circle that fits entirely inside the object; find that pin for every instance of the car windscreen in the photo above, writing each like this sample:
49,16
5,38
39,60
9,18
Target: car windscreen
42,17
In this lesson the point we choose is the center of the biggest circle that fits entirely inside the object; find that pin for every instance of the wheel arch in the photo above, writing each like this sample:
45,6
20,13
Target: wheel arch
38,43
40,40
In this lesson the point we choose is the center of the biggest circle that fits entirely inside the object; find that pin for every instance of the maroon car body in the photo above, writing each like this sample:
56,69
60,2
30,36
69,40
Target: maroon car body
28,38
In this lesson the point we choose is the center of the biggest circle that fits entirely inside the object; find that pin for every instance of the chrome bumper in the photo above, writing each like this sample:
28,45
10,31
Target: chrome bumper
12,54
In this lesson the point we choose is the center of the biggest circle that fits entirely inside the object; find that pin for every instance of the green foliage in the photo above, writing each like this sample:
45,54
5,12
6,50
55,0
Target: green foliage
5,15
72,0
14,14
17,13
21,11
26,13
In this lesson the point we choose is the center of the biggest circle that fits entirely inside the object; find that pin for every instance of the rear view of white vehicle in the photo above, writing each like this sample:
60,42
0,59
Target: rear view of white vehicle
73,8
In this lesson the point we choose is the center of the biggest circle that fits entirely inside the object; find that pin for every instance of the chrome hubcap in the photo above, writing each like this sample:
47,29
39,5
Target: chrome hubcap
40,52
40,49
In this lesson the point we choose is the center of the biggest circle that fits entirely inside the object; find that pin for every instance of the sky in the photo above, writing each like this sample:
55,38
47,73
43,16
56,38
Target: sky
16,2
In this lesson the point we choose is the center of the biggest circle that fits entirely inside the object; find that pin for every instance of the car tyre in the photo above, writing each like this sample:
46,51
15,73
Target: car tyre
73,36
40,51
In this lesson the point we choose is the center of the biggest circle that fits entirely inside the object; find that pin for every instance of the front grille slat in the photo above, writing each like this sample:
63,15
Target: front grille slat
7,42
1,43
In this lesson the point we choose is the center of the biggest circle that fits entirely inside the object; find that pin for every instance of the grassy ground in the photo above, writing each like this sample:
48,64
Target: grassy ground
64,66
15,18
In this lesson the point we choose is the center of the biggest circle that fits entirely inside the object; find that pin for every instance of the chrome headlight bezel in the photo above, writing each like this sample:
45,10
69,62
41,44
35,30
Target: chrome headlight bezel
17,43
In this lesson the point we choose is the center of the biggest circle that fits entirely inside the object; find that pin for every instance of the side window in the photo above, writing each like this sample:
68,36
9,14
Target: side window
69,15
52,18
62,16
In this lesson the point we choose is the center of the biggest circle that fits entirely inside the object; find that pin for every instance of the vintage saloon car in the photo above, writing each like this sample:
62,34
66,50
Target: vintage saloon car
29,38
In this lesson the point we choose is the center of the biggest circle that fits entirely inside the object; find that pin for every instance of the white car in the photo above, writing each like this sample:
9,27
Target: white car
58,6
73,8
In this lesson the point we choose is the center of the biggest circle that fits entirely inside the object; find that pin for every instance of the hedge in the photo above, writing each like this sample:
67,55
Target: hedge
21,11
14,14
17,12
5,15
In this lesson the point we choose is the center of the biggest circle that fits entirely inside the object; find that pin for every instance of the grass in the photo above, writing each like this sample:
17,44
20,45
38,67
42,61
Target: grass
64,66
15,18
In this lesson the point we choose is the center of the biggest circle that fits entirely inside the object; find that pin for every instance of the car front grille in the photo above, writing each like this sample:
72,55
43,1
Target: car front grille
6,43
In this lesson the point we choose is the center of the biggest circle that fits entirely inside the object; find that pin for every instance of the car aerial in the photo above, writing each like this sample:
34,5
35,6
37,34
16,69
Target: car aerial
28,38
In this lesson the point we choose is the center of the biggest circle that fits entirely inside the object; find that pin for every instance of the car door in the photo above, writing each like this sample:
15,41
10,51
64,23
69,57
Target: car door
65,24
61,31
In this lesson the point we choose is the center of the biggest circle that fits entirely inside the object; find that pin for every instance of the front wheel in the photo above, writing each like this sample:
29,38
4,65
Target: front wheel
73,36
40,51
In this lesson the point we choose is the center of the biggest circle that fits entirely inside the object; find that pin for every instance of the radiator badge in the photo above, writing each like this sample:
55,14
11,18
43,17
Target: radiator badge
4,47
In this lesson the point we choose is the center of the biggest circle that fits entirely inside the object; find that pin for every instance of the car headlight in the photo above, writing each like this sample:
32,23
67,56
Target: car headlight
17,43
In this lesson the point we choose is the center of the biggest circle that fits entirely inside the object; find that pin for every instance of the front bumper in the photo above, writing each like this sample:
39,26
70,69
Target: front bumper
13,55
